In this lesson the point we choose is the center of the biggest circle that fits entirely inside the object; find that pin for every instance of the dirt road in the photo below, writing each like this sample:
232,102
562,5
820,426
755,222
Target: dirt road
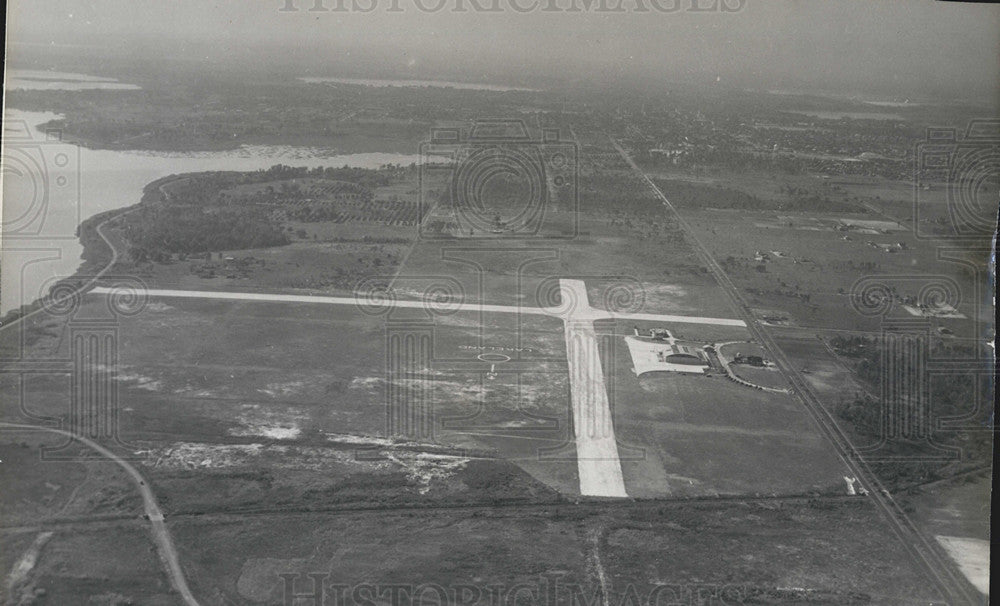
161,537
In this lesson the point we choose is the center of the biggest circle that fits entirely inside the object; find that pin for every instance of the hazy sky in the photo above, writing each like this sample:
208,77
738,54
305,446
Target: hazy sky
915,45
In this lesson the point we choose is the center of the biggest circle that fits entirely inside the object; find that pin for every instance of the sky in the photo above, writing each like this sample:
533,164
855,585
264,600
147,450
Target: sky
911,47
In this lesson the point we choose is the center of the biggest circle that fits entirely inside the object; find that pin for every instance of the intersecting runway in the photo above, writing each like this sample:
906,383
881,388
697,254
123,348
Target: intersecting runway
598,463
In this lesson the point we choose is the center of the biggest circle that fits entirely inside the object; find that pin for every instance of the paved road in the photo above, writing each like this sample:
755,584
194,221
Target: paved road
953,587
161,537
78,291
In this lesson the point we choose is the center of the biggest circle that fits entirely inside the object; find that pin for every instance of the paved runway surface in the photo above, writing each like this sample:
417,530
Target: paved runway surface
361,301
597,459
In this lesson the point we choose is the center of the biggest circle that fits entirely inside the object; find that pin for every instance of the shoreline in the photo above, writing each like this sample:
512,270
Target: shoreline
215,146
345,143
231,160
99,256
349,143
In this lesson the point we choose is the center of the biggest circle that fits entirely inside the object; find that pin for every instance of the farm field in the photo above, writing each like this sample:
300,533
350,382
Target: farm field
561,547
808,273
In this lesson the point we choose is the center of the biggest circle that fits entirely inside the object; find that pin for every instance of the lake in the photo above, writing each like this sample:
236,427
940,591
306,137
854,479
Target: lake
49,187
28,79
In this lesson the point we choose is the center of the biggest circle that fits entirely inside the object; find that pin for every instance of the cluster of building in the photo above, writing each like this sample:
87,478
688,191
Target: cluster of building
660,350
750,360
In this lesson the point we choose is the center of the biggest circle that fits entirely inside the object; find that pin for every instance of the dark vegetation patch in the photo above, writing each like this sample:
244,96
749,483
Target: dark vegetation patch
948,396
155,233
206,212
685,194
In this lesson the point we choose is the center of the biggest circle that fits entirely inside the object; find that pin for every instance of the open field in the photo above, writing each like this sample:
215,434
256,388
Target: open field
808,274
570,546
65,562
277,413
108,567
246,384
706,435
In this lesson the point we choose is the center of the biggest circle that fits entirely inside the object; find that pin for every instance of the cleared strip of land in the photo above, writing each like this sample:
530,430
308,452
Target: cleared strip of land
598,464
463,306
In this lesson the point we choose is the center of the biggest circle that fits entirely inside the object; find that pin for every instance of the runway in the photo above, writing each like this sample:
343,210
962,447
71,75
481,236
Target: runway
458,306
598,461
598,464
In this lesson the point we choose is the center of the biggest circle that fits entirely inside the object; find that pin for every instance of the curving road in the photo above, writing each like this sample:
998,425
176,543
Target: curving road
115,255
161,537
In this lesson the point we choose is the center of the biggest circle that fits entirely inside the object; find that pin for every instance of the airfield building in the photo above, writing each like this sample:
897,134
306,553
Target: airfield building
650,355
682,354
749,360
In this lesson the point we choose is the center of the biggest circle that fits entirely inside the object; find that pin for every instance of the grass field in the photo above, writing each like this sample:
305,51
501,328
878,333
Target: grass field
108,565
250,373
793,552
77,559
706,435
811,267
